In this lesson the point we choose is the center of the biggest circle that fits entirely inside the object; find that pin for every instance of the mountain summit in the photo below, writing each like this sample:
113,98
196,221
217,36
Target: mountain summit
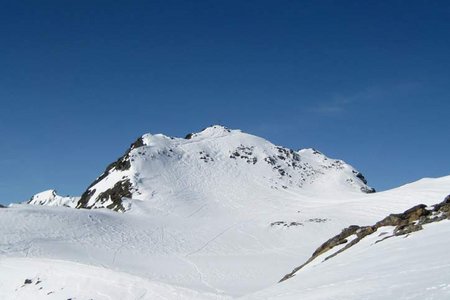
227,166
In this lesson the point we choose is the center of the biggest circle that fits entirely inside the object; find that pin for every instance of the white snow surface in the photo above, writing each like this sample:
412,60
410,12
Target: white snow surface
218,232
223,168
51,198
53,279
209,252
416,266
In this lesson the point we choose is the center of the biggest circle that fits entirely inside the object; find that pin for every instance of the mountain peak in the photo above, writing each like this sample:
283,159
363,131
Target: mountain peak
220,164
211,131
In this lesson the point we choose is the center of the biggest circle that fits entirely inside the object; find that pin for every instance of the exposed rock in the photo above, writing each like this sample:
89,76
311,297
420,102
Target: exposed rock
245,153
122,189
405,223
364,189
368,190
317,220
360,176
286,224
122,163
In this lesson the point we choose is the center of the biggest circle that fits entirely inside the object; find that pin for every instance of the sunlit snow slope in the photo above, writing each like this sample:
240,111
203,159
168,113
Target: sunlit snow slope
219,214
402,262
217,166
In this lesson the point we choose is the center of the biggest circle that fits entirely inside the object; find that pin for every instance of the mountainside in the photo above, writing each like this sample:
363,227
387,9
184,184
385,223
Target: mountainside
222,214
207,164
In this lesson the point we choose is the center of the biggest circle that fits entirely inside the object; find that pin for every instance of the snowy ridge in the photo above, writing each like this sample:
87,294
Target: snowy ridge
205,165
51,198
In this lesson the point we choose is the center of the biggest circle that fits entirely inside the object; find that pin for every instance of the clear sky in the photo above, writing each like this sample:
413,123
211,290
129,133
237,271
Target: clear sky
364,81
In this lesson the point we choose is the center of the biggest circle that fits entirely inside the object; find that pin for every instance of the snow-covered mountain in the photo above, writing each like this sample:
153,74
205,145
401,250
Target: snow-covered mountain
207,164
51,198
222,214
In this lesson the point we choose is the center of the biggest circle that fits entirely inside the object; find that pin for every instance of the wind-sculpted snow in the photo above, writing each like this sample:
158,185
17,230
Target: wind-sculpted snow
207,164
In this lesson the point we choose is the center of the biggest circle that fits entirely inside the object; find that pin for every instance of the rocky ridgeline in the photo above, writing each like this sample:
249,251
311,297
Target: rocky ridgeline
409,221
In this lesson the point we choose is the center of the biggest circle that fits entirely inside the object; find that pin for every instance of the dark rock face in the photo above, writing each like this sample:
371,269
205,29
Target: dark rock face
361,177
121,164
245,153
1,206
120,190
368,190
405,223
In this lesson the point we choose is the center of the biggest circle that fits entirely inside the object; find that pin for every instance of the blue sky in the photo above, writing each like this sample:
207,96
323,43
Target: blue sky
364,81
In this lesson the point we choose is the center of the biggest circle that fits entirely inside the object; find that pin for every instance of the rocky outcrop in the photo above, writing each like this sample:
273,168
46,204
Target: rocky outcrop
115,194
119,190
404,223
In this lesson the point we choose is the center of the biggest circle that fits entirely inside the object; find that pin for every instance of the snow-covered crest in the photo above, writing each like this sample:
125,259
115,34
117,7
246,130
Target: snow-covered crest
211,163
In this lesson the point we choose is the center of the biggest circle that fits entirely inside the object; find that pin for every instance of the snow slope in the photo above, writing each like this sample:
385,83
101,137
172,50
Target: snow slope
202,221
25,278
209,251
416,266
